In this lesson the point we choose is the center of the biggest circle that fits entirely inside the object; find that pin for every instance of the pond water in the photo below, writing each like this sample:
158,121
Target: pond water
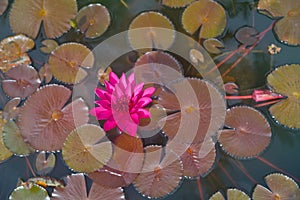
250,73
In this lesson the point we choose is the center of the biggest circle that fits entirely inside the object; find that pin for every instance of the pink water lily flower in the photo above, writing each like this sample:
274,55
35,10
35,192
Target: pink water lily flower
122,103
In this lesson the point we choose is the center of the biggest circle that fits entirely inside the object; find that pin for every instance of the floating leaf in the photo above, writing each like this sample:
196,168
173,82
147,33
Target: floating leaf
176,3
247,35
287,28
13,51
207,15
152,29
76,189
249,133
43,165
21,81
49,46
198,158
83,150
203,113
159,177
66,60
14,141
4,152
93,20
196,56
53,122
22,42
157,67
124,165
232,194
281,186
285,80
45,73
3,6
103,75
213,45
55,16
33,192
10,110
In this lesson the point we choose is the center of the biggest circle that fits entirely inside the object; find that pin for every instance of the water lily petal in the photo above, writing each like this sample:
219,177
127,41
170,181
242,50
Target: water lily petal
102,94
104,103
143,113
101,113
109,124
135,117
143,102
148,92
113,78
109,87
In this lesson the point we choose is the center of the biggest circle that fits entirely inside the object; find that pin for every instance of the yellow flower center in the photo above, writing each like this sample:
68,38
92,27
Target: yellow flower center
42,13
189,109
57,115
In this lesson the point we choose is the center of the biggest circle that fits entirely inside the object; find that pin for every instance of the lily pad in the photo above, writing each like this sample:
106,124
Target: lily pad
159,177
43,165
207,15
3,6
125,164
152,29
10,110
247,35
213,45
76,189
4,152
53,120
232,194
49,46
249,133
56,17
93,20
33,192
21,81
287,28
176,3
285,80
83,150
281,187
67,60
45,73
14,141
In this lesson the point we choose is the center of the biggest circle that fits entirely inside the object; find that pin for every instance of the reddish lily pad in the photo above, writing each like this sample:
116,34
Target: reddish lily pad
53,120
247,35
124,165
83,150
151,31
93,20
10,110
285,80
55,17
21,81
250,132
66,60
76,189
49,46
159,177
207,15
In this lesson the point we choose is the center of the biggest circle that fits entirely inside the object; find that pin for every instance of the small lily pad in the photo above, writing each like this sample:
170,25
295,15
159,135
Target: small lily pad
14,141
3,6
43,165
49,46
33,192
247,35
207,15
176,3
93,20
213,45
151,29
67,61
4,152
83,150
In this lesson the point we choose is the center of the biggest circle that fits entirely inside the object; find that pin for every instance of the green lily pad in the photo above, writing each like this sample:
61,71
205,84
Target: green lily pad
13,140
43,165
232,194
207,15
213,45
285,80
287,28
4,152
31,192
93,20
151,29
176,3
83,150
